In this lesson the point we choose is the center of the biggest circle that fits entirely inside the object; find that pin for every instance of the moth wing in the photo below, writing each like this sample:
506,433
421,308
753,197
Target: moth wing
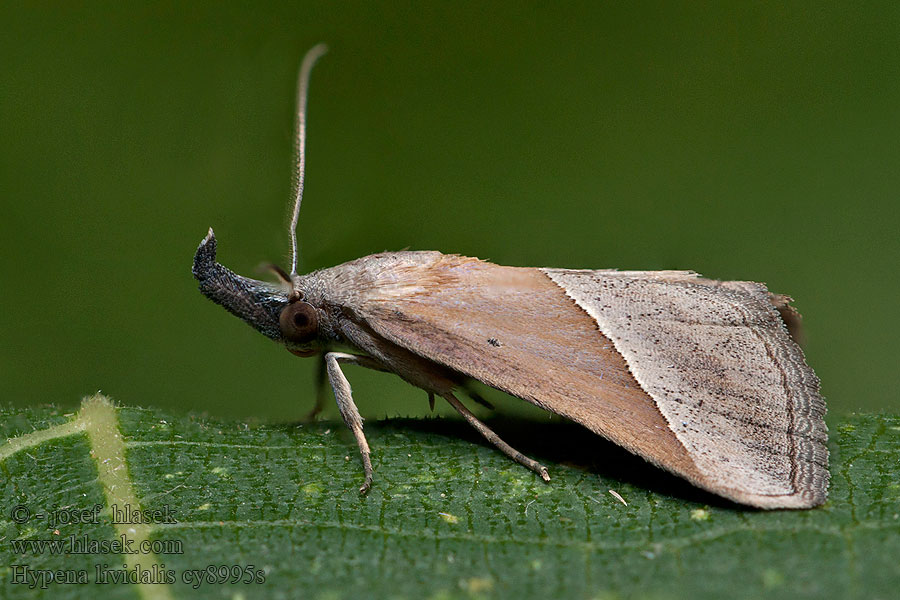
697,376
719,362
514,329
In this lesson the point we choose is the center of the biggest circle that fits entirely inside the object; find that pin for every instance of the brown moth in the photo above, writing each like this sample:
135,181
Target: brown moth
699,377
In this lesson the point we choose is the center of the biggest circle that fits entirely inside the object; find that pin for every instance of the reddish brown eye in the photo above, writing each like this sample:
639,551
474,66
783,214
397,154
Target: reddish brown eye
299,323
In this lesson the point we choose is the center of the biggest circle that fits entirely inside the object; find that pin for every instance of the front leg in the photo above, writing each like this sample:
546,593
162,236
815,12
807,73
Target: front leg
344,398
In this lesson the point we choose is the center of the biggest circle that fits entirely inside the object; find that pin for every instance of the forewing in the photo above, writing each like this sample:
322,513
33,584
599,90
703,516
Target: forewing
697,376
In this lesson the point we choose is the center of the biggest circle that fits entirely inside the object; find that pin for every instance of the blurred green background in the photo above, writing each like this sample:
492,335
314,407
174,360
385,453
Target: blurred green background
743,141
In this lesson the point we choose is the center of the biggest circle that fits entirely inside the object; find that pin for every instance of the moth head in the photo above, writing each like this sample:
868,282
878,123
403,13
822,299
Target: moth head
278,312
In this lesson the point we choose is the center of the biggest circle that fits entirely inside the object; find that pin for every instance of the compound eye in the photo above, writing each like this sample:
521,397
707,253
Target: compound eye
299,322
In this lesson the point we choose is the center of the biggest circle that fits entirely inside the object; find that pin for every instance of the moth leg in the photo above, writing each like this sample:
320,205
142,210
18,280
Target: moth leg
479,399
321,378
493,438
345,403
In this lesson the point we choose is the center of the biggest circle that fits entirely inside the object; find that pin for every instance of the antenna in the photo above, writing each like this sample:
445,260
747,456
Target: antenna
314,54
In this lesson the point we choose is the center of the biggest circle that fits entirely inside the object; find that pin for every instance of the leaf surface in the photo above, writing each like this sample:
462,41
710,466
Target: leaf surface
448,517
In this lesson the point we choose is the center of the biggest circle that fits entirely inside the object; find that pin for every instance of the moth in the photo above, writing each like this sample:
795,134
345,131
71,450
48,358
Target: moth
699,377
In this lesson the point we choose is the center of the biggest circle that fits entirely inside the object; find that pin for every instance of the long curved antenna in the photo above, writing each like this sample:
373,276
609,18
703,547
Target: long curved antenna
309,60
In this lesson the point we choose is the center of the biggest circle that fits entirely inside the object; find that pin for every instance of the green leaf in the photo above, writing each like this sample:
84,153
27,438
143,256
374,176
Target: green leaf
448,516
